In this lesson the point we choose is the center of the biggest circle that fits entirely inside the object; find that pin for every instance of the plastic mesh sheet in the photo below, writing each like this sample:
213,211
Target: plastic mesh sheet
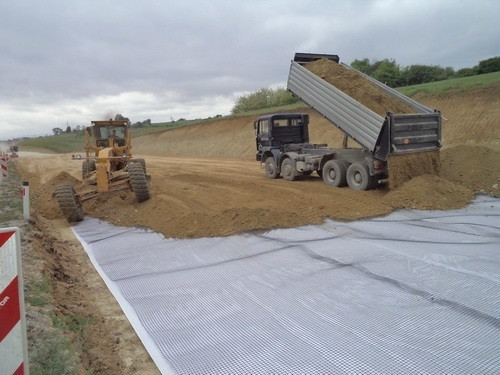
413,292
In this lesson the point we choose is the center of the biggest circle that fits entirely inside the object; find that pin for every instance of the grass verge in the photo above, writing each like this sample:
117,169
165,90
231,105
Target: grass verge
463,84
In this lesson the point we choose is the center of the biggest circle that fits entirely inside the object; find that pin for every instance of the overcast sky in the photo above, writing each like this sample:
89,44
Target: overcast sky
77,61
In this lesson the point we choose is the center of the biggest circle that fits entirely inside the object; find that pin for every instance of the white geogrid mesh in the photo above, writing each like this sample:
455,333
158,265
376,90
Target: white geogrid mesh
411,292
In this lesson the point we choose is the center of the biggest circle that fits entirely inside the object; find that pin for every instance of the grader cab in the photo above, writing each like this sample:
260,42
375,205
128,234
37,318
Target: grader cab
108,167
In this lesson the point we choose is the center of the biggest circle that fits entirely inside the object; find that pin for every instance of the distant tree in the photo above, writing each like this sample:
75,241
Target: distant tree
120,117
68,129
388,72
263,98
57,131
489,66
467,72
362,65
416,74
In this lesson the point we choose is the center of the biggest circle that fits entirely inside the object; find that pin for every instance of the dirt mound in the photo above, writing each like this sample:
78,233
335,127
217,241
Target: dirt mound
44,203
475,167
404,167
357,87
429,192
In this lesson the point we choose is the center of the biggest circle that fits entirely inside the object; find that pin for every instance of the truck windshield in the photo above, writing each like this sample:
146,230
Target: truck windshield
280,122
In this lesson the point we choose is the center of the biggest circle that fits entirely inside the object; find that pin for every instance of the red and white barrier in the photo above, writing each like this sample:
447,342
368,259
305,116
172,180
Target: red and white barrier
3,168
13,343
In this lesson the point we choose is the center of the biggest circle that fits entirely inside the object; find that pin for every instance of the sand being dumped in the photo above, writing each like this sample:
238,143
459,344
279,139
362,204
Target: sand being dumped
357,87
404,167
401,167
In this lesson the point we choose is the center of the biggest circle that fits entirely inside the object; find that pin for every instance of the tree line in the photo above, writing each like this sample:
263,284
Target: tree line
392,74
263,98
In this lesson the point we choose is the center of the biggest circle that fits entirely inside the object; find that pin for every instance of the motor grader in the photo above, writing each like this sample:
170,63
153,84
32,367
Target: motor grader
108,167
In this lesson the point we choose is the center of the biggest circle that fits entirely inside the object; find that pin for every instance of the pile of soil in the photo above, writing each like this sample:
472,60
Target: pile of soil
428,192
357,87
44,203
404,167
474,167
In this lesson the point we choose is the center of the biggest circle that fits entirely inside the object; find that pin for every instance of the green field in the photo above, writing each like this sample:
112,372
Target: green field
73,142
463,83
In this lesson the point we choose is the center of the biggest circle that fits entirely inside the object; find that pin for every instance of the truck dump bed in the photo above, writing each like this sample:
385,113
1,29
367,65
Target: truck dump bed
396,133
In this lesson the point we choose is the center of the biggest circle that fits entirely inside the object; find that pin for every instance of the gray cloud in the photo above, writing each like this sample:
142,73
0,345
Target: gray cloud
59,59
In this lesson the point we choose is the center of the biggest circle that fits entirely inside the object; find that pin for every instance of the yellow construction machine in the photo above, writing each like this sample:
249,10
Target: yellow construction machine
108,167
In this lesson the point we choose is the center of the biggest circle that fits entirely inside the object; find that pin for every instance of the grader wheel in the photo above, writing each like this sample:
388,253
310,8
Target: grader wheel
141,162
69,203
138,181
87,167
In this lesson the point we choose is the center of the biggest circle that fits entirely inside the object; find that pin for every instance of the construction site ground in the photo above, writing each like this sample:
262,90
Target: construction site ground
205,182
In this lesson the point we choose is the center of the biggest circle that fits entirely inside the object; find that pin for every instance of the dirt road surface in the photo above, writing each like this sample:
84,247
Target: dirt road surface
195,197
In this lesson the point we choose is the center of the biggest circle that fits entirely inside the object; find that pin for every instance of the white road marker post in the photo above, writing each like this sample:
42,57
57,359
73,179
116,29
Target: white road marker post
26,200
13,342
3,168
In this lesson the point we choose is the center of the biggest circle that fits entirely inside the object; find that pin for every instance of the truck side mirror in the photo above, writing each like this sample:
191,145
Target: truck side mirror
255,125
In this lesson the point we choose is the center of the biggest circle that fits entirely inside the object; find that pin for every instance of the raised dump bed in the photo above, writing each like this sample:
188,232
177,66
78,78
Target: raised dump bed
394,133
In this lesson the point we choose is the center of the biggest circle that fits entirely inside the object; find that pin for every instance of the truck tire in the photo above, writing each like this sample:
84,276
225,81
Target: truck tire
334,173
271,168
69,203
358,176
138,181
288,170
141,162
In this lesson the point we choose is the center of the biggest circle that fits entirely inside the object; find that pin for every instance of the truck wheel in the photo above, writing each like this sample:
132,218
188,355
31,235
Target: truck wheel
141,162
358,177
288,170
69,203
334,173
271,168
138,181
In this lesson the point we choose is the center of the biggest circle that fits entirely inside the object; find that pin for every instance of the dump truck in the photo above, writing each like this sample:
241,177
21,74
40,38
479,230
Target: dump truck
282,140
108,167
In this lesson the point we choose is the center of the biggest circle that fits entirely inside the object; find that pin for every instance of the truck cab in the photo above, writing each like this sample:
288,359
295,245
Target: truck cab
280,132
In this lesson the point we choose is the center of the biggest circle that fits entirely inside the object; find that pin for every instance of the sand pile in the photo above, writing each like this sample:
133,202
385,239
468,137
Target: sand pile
428,192
44,203
357,87
404,167
477,168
